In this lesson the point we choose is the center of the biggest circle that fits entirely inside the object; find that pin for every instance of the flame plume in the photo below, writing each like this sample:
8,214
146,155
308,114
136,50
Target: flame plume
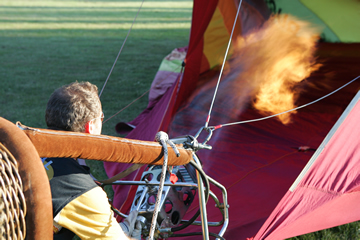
272,61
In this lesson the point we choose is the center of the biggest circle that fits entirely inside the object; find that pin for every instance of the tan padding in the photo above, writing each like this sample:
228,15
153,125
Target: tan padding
35,181
51,143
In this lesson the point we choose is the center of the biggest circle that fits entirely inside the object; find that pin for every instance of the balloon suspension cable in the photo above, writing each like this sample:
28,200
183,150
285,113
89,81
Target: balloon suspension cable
117,57
212,128
126,106
223,64
142,95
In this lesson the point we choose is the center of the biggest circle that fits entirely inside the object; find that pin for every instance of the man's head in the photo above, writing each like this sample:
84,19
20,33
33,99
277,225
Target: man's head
75,107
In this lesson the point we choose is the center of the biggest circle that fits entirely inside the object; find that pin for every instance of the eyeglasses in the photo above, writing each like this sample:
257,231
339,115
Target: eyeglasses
101,117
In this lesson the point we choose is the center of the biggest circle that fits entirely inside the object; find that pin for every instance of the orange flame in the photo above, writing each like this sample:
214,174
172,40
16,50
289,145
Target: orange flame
274,60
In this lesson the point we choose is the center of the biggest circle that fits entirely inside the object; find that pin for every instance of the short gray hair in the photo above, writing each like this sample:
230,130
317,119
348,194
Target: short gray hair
71,106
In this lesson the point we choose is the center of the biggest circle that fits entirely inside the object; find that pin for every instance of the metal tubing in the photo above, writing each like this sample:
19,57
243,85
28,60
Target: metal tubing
151,183
210,224
202,202
226,205
141,198
179,140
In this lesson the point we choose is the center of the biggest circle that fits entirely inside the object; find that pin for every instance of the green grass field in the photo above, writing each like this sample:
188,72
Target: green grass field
45,44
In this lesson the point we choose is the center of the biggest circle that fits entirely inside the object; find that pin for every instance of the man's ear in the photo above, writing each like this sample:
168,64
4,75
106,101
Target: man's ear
89,127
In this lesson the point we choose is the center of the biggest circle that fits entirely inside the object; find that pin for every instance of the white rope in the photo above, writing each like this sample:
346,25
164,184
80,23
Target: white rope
223,64
112,68
302,106
160,190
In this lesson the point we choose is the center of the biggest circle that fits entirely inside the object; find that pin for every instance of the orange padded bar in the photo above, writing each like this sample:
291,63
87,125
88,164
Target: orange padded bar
50,143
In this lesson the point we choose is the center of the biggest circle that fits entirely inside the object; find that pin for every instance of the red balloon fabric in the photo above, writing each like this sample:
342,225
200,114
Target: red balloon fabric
257,162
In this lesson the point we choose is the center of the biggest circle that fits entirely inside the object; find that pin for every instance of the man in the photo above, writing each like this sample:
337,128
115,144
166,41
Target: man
80,206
